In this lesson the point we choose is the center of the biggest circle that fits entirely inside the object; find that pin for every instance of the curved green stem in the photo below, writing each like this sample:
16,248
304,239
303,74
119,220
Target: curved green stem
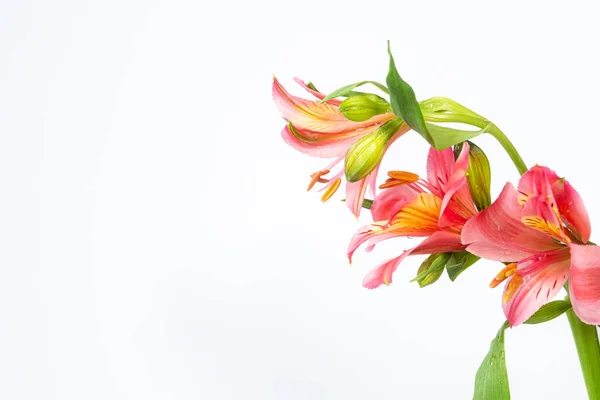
442,109
508,147
588,350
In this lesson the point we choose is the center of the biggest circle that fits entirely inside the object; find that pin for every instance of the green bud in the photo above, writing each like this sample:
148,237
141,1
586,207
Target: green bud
479,175
363,107
366,154
458,262
431,269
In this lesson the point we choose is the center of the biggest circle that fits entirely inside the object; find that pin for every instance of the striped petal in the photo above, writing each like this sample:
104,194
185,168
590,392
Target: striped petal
315,116
318,145
540,278
439,169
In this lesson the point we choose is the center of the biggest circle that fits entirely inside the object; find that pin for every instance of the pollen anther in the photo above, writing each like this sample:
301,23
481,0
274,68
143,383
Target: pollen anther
398,178
511,288
317,177
331,190
503,274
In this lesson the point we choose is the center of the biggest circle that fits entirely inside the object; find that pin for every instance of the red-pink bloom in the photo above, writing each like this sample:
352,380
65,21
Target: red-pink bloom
436,208
321,130
543,227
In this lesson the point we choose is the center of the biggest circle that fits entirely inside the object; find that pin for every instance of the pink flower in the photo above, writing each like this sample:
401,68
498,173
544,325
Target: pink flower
436,208
542,228
321,130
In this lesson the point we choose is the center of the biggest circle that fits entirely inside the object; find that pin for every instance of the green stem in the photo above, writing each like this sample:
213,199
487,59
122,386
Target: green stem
588,349
508,147
466,116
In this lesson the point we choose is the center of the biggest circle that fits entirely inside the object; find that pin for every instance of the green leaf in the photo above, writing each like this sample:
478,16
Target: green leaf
549,311
405,105
404,102
431,269
459,262
348,89
443,137
491,380
367,203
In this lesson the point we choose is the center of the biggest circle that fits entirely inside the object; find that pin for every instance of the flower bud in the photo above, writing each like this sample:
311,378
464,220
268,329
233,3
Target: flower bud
479,175
366,154
431,269
363,107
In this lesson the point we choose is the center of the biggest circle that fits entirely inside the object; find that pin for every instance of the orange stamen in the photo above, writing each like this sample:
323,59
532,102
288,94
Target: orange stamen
502,275
317,177
331,190
398,178
515,282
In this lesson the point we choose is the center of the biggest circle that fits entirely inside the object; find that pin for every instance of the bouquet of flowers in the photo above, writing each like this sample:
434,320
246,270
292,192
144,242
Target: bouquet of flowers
539,230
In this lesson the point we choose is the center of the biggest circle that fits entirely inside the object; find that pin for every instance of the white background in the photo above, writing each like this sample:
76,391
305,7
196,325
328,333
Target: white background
156,238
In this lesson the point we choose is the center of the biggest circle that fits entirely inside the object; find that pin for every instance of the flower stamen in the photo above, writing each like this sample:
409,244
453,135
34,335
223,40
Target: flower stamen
511,288
331,190
317,177
503,274
398,178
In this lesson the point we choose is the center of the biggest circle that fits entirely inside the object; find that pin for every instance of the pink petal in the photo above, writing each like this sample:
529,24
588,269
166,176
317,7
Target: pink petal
536,181
360,237
355,195
539,208
570,205
545,182
585,283
543,277
315,93
439,169
382,274
391,200
372,181
439,242
319,117
497,232
462,208
322,149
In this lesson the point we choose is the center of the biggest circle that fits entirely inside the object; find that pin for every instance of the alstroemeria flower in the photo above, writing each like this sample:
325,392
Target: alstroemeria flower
436,208
541,228
321,130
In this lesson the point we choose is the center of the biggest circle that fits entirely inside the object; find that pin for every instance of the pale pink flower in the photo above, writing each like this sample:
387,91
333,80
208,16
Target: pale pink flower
321,130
